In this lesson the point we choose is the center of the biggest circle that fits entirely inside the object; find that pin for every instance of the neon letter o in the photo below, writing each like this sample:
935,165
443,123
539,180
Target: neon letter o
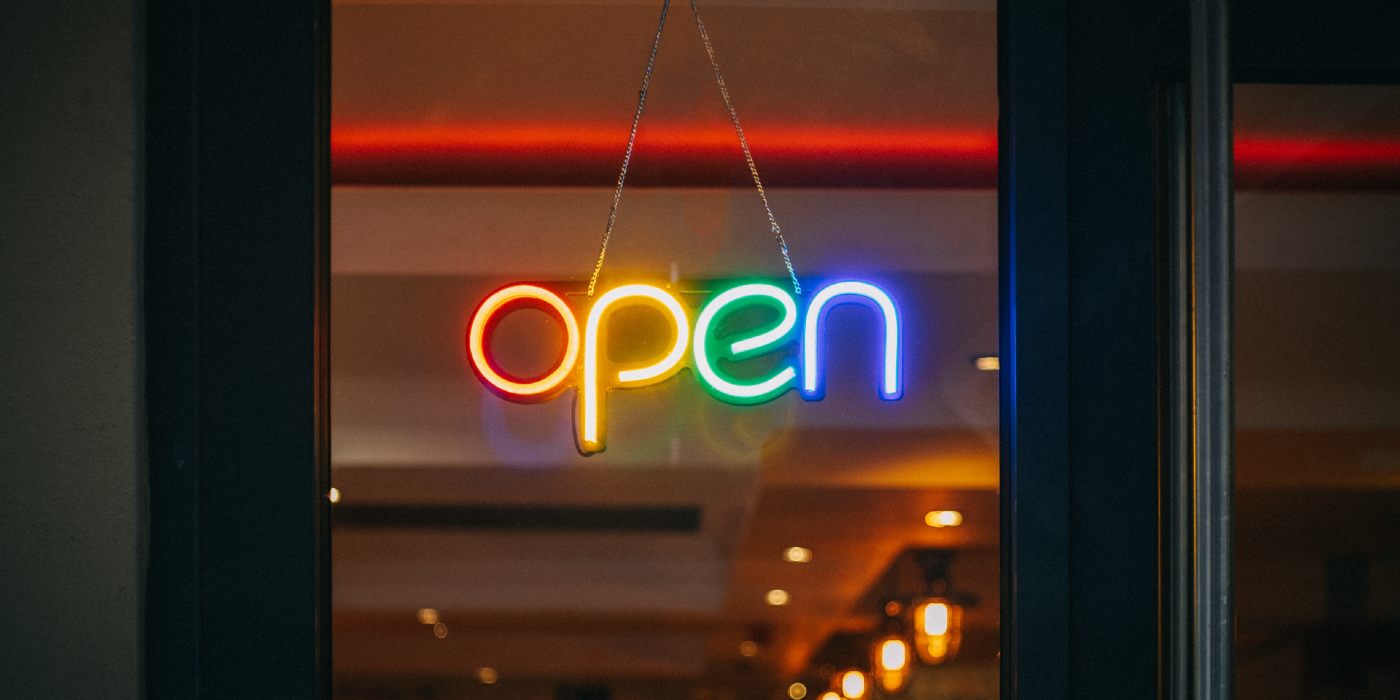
476,342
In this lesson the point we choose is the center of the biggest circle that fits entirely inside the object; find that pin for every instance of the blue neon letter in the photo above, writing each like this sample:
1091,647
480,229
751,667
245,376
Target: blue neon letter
891,385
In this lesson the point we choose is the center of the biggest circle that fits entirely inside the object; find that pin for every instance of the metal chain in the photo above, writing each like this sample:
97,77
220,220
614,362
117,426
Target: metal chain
733,117
631,140
744,144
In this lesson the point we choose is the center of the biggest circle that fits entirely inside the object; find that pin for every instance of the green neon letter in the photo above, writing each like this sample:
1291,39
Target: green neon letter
726,388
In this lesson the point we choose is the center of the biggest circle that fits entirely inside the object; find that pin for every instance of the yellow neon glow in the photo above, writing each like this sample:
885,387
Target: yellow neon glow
591,409
739,347
890,381
476,340
853,685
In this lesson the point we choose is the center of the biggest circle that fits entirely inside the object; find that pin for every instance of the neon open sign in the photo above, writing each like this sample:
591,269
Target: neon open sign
582,364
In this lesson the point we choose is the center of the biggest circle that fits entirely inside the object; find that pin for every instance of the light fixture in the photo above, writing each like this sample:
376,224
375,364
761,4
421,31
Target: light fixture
333,495
987,363
891,659
427,616
943,518
487,675
777,597
937,630
830,695
797,555
852,684
797,691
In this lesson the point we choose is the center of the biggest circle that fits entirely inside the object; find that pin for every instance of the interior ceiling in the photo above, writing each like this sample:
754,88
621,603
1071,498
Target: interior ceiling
850,477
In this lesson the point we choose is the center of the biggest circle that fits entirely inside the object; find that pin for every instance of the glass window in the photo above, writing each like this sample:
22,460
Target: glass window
1318,391
712,550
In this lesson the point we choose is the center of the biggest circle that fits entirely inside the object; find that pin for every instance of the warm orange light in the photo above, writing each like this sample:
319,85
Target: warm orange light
518,294
748,648
797,691
777,596
853,685
937,630
427,616
988,363
797,555
890,660
440,630
830,695
487,675
333,495
943,518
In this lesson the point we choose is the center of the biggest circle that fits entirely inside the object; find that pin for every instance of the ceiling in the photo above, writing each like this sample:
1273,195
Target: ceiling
489,515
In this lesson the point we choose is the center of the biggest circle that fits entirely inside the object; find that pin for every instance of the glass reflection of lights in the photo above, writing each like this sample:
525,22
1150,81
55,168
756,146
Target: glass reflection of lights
333,495
797,691
427,616
777,597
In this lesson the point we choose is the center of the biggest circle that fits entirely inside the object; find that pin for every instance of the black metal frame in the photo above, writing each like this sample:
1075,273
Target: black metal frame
1082,272
236,205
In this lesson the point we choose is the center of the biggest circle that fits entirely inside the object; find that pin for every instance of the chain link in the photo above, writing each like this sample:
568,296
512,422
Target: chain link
738,129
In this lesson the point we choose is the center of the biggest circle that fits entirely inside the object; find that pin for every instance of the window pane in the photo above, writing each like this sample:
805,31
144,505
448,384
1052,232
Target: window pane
1318,391
713,550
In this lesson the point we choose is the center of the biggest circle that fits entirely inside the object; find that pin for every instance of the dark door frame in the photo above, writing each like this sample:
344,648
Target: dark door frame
236,220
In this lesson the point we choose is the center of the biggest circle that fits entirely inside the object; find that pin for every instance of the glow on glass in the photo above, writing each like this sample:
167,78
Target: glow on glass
591,409
740,392
476,341
891,383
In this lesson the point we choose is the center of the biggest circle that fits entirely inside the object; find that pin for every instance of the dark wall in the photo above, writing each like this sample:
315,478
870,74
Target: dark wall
71,467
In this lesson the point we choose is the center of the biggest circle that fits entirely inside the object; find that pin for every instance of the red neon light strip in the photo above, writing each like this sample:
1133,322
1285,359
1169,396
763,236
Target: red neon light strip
803,156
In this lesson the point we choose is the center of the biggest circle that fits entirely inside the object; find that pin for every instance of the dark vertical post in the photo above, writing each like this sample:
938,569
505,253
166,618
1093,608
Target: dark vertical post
1213,309
1082,350
236,221
1178,453
1034,299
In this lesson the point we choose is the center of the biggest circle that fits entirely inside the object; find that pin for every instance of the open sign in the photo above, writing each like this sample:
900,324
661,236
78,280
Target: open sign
582,364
